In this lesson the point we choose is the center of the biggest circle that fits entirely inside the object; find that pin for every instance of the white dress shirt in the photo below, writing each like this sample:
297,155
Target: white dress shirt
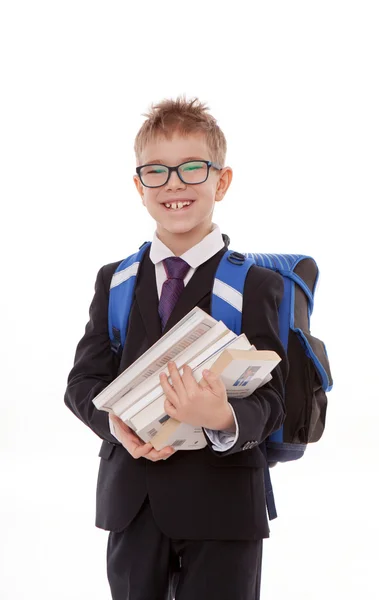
195,256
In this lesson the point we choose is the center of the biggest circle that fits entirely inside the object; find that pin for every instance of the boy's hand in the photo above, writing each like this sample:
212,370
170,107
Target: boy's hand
204,405
135,446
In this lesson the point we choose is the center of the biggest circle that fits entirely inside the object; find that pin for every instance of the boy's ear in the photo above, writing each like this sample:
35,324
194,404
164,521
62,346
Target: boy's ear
224,182
139,187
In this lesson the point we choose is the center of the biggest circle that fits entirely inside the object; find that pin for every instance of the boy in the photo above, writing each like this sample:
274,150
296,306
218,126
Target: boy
191,526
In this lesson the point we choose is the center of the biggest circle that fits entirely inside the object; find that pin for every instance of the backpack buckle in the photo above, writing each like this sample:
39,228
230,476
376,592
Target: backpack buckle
236,258
116,348
116,345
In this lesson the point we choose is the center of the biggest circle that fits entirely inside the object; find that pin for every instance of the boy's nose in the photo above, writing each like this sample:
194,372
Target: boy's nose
174,180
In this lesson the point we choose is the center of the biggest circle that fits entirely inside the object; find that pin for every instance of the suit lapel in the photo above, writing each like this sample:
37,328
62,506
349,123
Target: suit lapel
147,299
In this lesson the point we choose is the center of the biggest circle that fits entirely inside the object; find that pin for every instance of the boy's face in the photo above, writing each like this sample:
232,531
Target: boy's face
195,220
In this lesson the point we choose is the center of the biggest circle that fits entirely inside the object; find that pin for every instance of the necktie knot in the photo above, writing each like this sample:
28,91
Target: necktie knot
176,267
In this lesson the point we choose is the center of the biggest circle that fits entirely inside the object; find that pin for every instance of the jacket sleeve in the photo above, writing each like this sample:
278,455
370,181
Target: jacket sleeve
263,412
95,366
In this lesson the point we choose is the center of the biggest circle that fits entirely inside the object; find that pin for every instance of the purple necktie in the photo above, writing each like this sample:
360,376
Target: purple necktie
176,270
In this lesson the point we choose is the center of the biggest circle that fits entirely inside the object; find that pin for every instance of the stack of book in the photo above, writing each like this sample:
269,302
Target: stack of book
198,340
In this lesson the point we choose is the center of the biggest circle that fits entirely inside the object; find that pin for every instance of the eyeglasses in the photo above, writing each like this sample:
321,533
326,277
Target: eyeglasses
193,172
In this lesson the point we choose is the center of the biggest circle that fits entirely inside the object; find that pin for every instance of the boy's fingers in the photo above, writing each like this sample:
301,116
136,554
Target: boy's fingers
131,442
176,377
191,384
137,447
117,421
160,454
127,435
142,450
167,387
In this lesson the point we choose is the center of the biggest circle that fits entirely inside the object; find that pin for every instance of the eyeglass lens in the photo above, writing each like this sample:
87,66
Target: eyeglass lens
191,172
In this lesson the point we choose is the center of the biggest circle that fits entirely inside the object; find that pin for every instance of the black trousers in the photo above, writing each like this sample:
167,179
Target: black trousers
144,564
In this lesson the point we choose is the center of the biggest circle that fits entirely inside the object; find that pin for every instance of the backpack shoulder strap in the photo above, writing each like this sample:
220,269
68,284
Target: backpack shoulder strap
227,291
287,265
121,296
229,282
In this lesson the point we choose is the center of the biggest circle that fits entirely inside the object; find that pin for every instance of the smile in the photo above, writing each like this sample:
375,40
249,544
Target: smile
178,205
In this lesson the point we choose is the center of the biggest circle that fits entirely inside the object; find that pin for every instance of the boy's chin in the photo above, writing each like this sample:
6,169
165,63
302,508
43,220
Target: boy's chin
180,227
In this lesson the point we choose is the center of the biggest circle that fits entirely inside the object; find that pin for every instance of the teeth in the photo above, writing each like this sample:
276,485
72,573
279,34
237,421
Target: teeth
178,205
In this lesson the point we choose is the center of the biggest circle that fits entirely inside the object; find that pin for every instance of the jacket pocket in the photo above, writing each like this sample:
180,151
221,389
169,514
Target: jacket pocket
305,395
106,450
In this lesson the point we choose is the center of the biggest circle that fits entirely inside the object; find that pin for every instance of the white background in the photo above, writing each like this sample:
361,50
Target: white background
294,86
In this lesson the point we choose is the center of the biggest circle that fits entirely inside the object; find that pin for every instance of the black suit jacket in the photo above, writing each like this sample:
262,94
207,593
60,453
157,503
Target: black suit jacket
194,494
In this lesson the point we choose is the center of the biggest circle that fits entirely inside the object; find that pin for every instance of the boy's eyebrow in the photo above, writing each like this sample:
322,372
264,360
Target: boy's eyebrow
158,161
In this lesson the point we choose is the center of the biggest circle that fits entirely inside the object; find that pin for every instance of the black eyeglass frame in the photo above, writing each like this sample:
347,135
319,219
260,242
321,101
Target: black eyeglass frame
209,164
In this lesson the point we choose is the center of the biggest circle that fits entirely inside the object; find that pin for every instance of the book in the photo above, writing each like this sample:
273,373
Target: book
195,324
151,409
241,370
201,342
146,392
211,351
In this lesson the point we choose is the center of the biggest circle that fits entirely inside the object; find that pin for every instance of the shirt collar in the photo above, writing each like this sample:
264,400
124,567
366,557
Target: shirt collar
195,256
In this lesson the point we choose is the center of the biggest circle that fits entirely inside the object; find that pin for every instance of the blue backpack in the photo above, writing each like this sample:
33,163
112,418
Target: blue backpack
309,374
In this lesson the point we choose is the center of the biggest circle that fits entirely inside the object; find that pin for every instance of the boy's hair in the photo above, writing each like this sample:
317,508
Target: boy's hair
184,117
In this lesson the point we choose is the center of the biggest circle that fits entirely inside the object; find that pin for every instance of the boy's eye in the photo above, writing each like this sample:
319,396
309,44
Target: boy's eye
157,170
192,166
